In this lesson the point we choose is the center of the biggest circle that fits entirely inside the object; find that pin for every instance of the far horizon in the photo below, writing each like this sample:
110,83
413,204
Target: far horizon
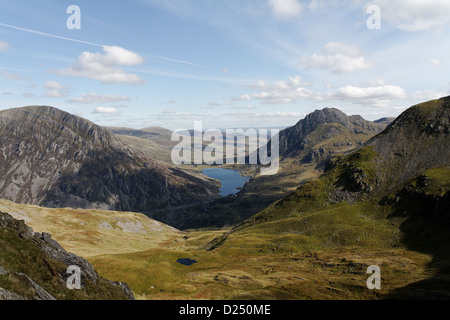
204,129
230,64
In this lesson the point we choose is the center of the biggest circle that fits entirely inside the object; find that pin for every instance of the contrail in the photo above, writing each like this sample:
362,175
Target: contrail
89,43
49,35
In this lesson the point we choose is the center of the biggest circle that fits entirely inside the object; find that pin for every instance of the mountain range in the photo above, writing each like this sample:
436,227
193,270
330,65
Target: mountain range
56,159
394,190
350,194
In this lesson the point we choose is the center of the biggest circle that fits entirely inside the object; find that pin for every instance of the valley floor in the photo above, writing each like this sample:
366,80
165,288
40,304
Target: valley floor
234,272
261,262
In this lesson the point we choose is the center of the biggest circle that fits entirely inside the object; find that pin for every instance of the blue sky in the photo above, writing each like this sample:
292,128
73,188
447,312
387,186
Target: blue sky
231,63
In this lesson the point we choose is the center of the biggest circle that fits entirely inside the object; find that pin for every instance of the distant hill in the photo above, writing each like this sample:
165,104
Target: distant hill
386,121
158,135
56,159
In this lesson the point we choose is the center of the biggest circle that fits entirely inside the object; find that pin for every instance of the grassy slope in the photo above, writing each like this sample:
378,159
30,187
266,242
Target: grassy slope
327,259
269,261
92,232
23,258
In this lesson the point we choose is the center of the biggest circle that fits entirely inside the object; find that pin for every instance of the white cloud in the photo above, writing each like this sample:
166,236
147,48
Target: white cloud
426,95
106,110
437,62
106,67
377,94
286,96
249,107
279,92
415,15
4,46
283,9
339,58
93,97
244,97
294,115
56,90
293,82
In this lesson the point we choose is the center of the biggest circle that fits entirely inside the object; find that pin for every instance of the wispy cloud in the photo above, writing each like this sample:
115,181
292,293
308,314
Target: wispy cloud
283,9
415,15
105,110
28,95
437,62
92,98
339,58
279,92
249,107
56,90
4,46
13,76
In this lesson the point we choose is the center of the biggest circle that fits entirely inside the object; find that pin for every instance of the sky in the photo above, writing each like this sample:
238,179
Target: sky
230,63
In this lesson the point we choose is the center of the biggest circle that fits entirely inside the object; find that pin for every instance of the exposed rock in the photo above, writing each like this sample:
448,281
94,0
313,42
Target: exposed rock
52,258
3,272
6,295
41,294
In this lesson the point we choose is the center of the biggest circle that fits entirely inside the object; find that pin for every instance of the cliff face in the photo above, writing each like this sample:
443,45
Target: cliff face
56,159
34,267
418,140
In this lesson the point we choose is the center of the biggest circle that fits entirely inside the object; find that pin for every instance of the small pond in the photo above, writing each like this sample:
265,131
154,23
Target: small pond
186,261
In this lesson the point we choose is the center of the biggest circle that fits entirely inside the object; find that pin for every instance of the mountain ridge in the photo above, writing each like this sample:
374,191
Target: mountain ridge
65,160
358,178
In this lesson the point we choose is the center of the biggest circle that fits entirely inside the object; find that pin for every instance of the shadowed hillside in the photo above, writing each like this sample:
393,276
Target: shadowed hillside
56,159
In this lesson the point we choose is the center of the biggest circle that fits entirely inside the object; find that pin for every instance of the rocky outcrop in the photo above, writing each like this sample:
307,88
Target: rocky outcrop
45,278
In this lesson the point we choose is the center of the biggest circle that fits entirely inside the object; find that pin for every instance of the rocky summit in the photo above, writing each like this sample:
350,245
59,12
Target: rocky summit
331,123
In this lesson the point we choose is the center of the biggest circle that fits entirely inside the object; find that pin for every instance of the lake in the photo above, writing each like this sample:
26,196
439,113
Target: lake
231,180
